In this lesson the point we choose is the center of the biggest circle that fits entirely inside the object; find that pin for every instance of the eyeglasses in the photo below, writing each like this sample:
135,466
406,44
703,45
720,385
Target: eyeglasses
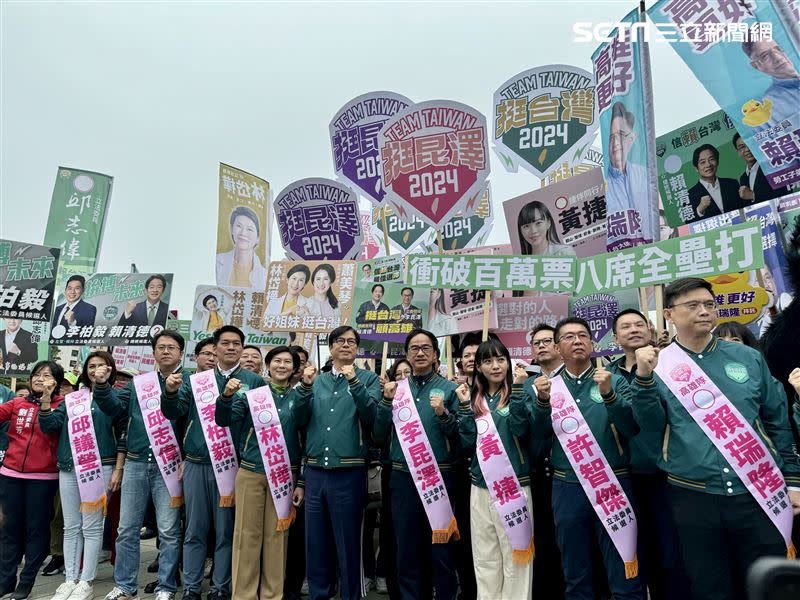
571,337
693,305
162,348
206,354
418,349
402,374
620,136
346,341
542,342
768,56
42,376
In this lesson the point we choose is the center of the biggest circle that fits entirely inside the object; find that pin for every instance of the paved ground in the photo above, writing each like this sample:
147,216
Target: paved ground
46,586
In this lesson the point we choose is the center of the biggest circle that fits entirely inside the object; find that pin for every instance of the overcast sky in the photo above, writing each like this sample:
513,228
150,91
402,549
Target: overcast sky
156,94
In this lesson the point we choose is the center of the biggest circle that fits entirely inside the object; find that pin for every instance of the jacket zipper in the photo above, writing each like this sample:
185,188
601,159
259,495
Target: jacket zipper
186,435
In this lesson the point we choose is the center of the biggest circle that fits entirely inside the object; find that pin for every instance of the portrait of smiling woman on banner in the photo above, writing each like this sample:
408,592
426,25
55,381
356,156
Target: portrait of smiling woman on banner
240,266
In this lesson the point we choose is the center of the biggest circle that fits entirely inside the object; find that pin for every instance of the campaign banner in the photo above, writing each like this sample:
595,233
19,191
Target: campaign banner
77,217
585,158
467,306
371,246
243,226
113,309
599,310
525,273
137,358
516,318
625,102
567,218
789,211
745,42
464,231
308,296
434,160
22,345
354,140
318,219
27,280
720,251
388,312
385,269
541,115
405,233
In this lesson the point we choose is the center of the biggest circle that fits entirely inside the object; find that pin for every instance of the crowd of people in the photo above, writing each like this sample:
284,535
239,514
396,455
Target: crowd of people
568,478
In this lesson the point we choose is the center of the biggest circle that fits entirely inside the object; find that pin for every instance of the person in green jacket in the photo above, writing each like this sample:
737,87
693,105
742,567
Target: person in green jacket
200,489
142,479
259,548
722,528
337,409
437,405
604,402
83,531
496,391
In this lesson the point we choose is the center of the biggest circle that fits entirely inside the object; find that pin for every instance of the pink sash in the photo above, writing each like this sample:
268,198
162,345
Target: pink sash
504,489
274,453
595,475
721,421
423,466
159,431
218,439
85,451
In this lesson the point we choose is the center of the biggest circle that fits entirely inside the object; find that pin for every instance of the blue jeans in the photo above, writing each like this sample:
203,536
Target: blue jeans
83,532
203,509
140,481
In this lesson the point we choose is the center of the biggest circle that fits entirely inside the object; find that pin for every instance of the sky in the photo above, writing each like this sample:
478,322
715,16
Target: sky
157,94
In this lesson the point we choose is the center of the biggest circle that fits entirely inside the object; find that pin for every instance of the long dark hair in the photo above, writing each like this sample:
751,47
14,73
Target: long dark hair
107,358
531,212
392,373
734,329
480,385
332,300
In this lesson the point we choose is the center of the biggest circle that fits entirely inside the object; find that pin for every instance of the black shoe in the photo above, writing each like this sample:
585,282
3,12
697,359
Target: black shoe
153,566
54,567
147,533
22,591
189,595
7,588
291,596
151,587
212,595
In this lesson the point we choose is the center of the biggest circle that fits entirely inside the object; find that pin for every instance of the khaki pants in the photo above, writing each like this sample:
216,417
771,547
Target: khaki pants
259,550
498,578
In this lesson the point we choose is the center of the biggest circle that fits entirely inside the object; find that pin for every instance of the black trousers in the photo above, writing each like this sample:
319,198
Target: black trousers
296,556
387,560
720,537
548,576
27,506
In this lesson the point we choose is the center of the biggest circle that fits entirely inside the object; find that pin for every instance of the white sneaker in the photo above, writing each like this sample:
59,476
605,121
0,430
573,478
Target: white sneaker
118,594
304,589
64,590
84,591
380,586
162,595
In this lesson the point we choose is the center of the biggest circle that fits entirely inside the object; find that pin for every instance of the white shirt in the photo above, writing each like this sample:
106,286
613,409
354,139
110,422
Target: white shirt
64,310
751,173
229,371
10,337
715,192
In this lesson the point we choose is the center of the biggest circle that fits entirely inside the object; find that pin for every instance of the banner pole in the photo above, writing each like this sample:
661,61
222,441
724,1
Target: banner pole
659,292
448,341
385,353
486,303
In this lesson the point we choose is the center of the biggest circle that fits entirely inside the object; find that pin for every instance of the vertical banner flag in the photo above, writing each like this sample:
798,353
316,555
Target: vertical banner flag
354,139
542,114
243,227
434,160
745,57
27,280
77,216
318,219
624,100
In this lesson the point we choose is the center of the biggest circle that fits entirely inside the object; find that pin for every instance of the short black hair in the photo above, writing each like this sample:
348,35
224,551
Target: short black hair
56,370
380,285
568,321
618,110
300,350
251,347
107,358
209,341
336,333
152,277
243,211
366,265
301,268
425,332
736,138
170,333
409,289
473,338
209,297
228,329
543,327
278,350
734,329
627,311
79,278
699,149
678,288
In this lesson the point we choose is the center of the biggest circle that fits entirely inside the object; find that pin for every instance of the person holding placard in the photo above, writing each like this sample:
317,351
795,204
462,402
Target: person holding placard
730,454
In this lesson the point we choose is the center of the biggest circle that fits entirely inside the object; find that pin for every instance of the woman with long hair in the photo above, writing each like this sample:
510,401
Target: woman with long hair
83,525
502,572
537,233
401,369
259,537
440,323
29,480
732,331
324,302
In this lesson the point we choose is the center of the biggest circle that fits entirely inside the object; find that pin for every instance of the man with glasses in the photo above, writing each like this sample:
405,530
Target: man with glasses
199,484
771,60
659,555
628,183
437,405
337,410
602,400
738,423
142,479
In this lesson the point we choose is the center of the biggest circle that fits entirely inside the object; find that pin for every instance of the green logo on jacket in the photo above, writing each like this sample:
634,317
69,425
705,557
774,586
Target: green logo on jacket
595,395
737,372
